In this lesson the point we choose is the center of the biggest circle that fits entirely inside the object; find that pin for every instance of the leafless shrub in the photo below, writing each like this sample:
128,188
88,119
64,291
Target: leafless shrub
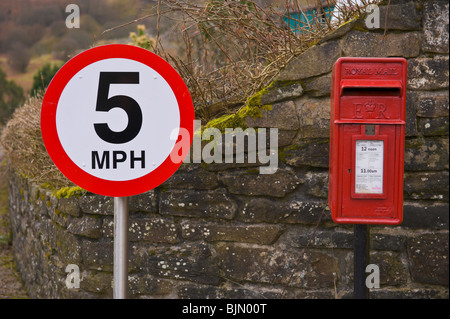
234,48
26,154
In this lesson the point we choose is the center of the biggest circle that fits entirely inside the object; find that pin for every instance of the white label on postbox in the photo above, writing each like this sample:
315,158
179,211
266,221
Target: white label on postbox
369,167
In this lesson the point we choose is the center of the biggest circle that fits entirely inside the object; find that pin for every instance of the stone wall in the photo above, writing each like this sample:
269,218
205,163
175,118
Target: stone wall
226,231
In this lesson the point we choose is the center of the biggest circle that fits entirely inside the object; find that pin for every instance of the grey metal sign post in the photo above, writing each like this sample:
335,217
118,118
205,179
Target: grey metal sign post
120,275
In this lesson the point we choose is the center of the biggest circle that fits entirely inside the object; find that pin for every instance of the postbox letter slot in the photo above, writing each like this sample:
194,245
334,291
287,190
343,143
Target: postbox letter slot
365,87
370,91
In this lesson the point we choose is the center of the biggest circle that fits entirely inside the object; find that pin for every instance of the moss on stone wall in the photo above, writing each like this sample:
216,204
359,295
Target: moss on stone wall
252,108
67,192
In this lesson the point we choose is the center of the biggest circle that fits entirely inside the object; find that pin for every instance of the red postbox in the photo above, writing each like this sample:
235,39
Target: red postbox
367,133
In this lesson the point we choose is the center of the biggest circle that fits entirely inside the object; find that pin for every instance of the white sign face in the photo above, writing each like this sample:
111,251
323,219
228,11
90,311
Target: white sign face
369,158
125,111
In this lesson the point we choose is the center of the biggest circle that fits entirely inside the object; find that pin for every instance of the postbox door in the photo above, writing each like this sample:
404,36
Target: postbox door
369,165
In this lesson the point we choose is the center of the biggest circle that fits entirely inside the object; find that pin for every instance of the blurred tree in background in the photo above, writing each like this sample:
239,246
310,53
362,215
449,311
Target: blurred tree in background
11,97
42,78
19,57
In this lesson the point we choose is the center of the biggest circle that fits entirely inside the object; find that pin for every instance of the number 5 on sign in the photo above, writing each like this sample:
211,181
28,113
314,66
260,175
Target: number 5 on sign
107,119
126,103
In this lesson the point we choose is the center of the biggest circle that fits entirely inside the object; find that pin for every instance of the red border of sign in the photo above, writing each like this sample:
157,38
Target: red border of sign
50,135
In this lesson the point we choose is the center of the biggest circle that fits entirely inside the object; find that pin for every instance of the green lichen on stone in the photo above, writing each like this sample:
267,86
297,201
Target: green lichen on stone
222,122
281,156
252,108
252,171
286,83
46,186
59,213
414,144
282,153
67,192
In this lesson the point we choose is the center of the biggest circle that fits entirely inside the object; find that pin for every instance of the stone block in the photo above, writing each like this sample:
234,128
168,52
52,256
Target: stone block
69,206
153,229
57,216
408,293
426,154
431,103
273,266
191,176
302,237
227,291
194,262
319,86
280,91
244,182
294,293
192,203
386,239
97,255
435,26
290,211
426,215
98,205
97,282
314,117
307,152
368,44
428,73
192,291
426,185
316,184
146,202
411,118
87,226
428,257
437,126
249,162
311,62
254,234
392,270
281,115
67,246
147,285
285,138
404,16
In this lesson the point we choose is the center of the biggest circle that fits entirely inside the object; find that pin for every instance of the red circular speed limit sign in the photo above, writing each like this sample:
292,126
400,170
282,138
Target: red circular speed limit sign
112,119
